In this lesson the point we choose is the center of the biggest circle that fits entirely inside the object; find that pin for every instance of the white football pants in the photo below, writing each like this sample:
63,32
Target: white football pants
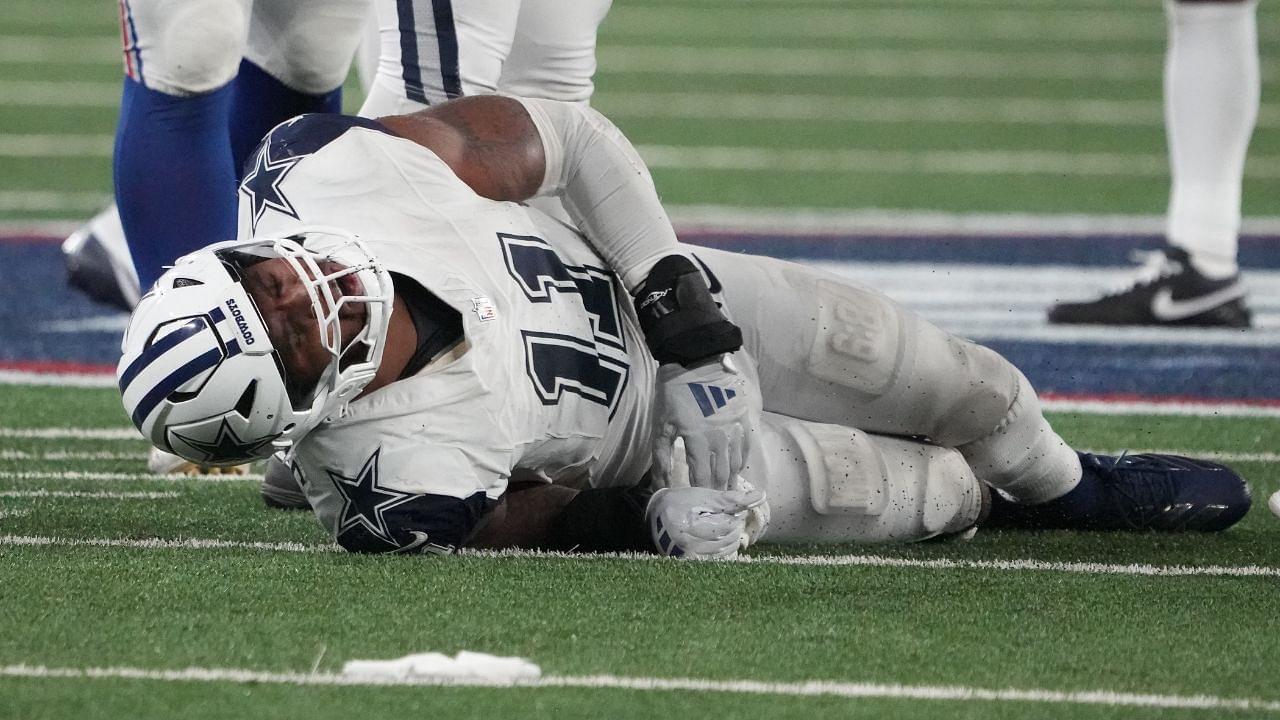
869,407
434,50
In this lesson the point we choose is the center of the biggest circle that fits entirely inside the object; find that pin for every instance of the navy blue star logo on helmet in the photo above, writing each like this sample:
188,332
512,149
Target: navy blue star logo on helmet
227,447
262,184
365,502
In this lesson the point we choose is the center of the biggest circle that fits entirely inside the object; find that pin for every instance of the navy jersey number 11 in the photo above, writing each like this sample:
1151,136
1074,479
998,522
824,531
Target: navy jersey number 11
593,367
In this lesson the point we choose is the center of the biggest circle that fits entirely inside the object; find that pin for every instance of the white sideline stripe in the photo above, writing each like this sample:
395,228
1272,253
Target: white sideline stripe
785,221
811,688
824,221
112,323
72,475
81,380
926,162
1137,569
1138,407
99,495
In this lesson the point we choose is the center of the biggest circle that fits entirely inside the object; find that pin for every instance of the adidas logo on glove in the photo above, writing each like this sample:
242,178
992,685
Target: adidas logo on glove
711,398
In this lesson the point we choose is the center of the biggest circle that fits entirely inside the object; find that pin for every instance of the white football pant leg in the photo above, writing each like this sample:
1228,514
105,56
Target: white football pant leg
308,46
1211,95
433,50
554,53
830,351
834,484
184,47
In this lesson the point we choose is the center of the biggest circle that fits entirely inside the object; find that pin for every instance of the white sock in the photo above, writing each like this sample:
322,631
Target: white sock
1211,94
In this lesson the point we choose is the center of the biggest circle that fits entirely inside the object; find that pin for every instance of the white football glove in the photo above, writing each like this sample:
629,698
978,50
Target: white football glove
700,523
715,409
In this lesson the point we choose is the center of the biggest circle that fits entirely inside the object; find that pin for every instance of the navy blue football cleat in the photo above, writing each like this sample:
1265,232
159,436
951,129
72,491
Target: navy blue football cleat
1167,493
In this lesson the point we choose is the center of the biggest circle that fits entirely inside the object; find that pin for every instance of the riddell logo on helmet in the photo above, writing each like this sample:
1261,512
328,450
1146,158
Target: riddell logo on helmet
240,321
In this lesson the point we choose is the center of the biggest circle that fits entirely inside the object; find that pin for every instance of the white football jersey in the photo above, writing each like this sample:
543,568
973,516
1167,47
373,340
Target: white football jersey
555,381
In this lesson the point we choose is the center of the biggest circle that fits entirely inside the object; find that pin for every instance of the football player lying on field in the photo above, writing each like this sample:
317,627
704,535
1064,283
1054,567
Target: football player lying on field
449,367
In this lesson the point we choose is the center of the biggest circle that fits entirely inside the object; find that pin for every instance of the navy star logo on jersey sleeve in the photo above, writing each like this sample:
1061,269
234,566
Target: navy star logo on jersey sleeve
262,184
227,447
364,501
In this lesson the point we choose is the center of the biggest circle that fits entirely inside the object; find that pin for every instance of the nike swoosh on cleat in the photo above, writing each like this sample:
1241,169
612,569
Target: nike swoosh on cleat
1164,307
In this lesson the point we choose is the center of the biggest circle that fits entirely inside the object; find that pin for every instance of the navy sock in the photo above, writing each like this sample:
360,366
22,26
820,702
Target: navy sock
261,102
1075,510
174,181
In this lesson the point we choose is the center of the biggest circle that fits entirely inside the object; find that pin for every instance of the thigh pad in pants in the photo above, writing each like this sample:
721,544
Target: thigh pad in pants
834,484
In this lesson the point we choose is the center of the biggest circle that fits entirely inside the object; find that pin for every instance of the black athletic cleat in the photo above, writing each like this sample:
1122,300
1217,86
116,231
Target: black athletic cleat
1168,493
1168,291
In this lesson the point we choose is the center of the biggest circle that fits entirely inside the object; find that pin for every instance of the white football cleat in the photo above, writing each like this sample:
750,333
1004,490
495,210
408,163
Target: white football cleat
99,263
160,462
280,489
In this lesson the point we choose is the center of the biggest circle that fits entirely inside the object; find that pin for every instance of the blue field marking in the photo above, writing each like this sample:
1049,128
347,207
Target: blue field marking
39,312
42,320
1256,252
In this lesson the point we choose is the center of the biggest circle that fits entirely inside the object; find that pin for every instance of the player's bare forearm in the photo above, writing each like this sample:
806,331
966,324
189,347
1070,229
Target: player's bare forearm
524,517
488,141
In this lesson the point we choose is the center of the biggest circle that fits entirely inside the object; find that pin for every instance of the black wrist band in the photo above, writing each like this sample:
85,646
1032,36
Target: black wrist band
603,520
681,321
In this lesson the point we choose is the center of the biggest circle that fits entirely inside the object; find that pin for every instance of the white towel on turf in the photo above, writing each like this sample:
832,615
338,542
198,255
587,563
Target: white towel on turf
465,667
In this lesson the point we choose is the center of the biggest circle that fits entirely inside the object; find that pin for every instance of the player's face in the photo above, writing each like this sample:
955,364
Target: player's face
290,318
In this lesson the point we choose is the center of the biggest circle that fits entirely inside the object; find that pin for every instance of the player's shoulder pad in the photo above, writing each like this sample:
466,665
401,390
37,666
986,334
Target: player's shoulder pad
307,134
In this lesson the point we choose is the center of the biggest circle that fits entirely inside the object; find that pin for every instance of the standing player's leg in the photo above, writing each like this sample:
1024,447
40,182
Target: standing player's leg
553,55
1211,90
435,50
297,59
829,351
174,178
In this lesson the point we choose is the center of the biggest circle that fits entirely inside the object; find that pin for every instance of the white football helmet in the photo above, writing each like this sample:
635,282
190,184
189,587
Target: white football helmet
199,375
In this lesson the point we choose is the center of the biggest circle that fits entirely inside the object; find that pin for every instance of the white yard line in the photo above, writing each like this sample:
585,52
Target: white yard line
811,688
853,62
106,455
934,110
15,145
54,50
162,544
62,455
862,161
41,494
61,93
71,433
1015,565
53,201
880,24
75,475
